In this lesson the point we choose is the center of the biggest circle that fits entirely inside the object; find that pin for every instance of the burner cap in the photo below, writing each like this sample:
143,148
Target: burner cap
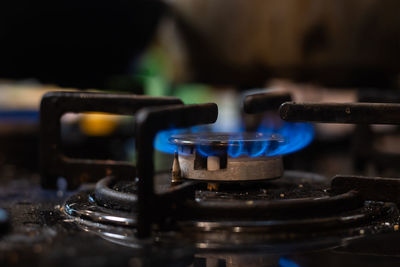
223,139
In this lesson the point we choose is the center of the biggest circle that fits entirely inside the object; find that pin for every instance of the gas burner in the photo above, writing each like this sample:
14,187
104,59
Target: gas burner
227,157
245,209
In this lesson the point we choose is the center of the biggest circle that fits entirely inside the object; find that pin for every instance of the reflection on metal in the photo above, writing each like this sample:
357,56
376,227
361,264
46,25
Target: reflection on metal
84,207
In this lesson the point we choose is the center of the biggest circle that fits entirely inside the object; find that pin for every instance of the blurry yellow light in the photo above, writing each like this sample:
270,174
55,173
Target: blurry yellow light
98,124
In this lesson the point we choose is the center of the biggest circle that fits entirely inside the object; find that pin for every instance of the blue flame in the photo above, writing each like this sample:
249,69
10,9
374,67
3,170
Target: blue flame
235,148
295,135
287,263
161,142
259,149
292,137
206,151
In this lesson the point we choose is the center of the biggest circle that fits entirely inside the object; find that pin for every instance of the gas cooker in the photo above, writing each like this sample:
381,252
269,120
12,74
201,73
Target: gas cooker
110,217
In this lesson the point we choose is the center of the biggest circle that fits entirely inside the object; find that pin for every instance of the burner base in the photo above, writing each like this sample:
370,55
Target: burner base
237,169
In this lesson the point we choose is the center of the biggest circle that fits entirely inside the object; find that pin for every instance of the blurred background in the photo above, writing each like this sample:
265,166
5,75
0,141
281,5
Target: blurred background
198,50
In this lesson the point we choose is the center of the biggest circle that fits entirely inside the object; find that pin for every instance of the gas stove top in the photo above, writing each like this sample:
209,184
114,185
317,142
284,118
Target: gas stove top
227,200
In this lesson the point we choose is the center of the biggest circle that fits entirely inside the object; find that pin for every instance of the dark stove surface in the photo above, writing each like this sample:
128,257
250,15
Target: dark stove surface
41,235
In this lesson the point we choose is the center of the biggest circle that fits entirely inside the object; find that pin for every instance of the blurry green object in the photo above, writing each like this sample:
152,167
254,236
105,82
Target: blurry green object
194,93
156,86
152,72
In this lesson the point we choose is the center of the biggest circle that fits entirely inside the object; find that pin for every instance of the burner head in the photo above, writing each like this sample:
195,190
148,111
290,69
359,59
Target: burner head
224,157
